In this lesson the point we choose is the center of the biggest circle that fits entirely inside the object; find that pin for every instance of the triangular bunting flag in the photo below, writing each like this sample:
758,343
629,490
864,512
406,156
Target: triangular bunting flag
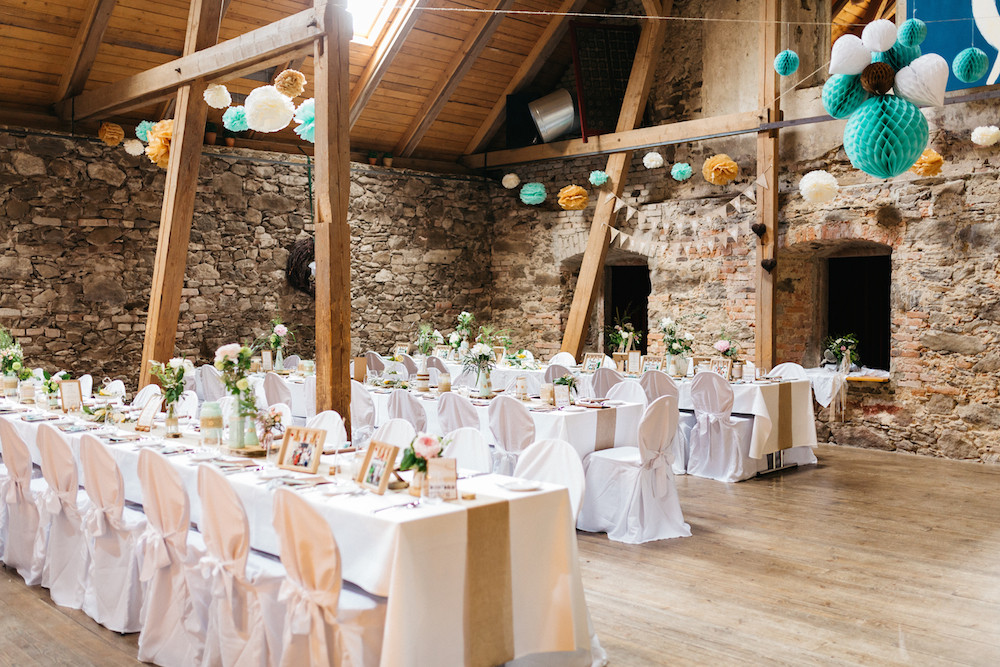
614,234
735,203
750,194
611,195
762,181
631,212
619,202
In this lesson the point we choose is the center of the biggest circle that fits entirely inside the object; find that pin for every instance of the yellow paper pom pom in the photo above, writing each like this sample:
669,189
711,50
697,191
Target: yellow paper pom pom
290,83
928,164
573,198
720,169
111,134
158,150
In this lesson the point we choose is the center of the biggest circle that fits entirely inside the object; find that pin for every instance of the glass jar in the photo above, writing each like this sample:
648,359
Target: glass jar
172,422
211,424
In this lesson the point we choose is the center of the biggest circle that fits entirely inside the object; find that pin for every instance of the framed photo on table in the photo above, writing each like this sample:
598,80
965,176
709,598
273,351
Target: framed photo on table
301,448
651,363
400,348
723,367
592,361
266,361
378,466
148,414
70,395
441,351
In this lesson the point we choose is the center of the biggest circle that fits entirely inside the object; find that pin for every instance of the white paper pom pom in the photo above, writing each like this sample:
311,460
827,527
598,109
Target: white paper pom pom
879,36
511,181
986,136
652,160
134,147
268,110
217,96
818,187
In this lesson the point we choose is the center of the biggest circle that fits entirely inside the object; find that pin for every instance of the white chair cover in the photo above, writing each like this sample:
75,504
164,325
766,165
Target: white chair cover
629,391
409,364
211,383
658,383
290,363
67,558
719,445
455,412
396,432
513,430
563,359
555,371
362,413
146,394
309,396
604,378
469,448
113,595
403,405
39,373
116,388
331,422
608,362
374,361
631,493
437,363
276,390
324,624
557,462
466,378
173,609
86,385
789,371
187,405
22,511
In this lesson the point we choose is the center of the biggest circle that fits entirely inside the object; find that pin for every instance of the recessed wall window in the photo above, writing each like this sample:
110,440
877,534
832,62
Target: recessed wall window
858,303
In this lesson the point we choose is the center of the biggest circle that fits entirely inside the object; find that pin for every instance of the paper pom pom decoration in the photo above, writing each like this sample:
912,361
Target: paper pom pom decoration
134,147
235,119
818,187
720,169
532,194
217,96
986,136
681,171
971,65
598,178
912,33
573,198
511,181
142,130
158,150
291,83
849,56
929,163
652,160
305,116
843,94
898,56
885,136
924,80
786,63
111,133
878,78
268,110
879,36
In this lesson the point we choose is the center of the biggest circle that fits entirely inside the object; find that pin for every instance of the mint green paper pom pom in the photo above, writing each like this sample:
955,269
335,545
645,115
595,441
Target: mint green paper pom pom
532,194
235,119
305,115
843,94
912,33
786,62
142,130
681,171
598,178
971,65
898,56
886,136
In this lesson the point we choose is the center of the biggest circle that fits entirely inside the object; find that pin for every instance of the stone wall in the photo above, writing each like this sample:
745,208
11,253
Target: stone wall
78,236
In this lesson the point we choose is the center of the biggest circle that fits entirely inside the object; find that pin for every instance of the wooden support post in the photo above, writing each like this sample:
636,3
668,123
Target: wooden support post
767,196
333,234
643,68
178,196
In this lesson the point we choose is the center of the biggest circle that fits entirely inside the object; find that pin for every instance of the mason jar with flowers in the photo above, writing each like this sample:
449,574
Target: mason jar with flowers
481,360
427,339
233,361
171,378
415,457
50,387
677,343
277,340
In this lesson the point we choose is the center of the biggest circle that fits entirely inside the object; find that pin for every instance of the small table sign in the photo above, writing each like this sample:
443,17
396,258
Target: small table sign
634,364
145,420
266,361
442,479
561,395
71,395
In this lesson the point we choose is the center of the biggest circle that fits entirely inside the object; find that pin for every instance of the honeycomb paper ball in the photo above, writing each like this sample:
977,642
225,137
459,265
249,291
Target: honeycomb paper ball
924,80
786,63
898,56
720,169
928,164
912,33
878,78
879,36
532,194
681,171
843,94
886,136
971,65
598,178
111,133
573,198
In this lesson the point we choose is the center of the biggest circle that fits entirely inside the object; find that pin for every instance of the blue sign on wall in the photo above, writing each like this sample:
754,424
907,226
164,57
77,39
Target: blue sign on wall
955,25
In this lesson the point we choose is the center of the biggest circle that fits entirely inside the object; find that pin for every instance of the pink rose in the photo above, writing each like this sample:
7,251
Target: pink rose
843,348
722,346
280,329
228,352
426,446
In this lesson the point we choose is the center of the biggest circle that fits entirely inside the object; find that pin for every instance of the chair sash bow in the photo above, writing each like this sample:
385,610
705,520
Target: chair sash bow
155,551
308,612
98,520
220,574
659,467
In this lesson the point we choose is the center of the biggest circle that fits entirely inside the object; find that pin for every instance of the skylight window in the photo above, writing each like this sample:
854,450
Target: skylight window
369,18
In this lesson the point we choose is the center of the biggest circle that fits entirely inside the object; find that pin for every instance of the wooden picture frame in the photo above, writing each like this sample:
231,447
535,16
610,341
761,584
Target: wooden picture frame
378,466
400,348
441,351
695,361
592,361
266,361
301,448
723,367
651,363
70,395
148,414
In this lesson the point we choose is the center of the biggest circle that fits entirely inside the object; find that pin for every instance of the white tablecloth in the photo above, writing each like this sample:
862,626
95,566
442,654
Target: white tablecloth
826,382
296,385
504,376
416,558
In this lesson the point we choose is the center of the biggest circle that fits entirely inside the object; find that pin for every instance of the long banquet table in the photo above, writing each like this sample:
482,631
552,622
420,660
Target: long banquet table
500,571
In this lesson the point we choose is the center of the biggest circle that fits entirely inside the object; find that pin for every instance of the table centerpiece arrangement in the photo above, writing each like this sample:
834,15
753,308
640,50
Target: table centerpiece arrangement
677,343
481,359
233,361
171,376
421,449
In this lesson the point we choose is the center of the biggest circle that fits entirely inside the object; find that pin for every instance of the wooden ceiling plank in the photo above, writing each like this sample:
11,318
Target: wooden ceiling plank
88,40
452,76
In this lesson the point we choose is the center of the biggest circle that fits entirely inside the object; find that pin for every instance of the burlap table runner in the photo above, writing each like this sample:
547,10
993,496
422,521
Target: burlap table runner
607,424
489,609
785,415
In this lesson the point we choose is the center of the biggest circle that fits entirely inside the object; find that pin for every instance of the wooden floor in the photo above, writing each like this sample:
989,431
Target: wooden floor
870,558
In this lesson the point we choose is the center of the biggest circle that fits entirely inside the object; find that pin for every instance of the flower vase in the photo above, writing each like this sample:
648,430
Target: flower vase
236,428
682,364
672,365
279,360
10,385
172,422
250,436
418,483
483,385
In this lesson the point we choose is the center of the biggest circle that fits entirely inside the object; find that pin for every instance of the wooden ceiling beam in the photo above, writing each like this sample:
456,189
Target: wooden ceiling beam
88,40
382,57
457,68
652,7
530,66
280,41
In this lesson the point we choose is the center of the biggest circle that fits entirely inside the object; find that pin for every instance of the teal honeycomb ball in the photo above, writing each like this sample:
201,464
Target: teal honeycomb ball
898,56
971,65
886,136
533,193
843,94
912,33
786,63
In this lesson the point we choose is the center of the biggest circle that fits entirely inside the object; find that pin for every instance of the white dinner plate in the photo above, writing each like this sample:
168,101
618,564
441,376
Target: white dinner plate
517,484
574,408
614,403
